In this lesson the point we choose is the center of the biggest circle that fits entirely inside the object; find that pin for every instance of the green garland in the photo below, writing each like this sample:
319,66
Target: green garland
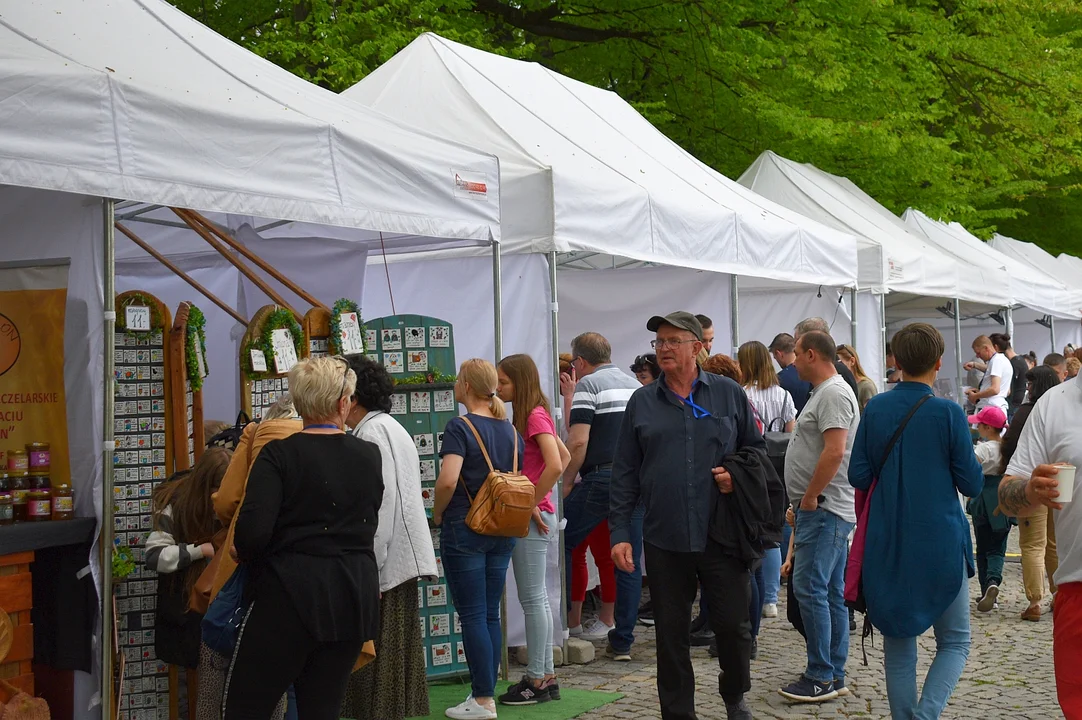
197,324
157,322
344,305
279,319
123,562
434,376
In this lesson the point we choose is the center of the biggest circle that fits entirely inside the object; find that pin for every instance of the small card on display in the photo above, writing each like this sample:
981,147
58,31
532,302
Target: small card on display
390,339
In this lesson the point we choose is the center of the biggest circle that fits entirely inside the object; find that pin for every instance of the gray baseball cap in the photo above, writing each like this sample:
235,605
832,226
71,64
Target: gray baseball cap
680,319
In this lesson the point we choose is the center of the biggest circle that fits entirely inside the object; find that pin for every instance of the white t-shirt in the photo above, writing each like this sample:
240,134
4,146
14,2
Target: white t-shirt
989,456
1053,434
999,366
773,404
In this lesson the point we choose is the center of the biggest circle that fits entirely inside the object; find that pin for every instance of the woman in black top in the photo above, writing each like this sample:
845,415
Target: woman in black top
306,532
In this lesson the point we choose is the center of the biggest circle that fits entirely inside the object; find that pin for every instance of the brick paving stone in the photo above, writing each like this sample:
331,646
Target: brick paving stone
1009,673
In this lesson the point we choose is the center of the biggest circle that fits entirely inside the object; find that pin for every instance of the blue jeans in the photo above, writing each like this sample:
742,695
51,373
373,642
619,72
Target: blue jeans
629,590
291,704
772,561
476,569
530,562
822,544
952,651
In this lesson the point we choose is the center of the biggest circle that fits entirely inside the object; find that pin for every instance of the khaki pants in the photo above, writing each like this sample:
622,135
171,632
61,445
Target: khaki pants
1037,538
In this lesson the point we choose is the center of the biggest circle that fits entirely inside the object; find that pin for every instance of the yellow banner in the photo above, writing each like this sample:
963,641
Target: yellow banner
32,405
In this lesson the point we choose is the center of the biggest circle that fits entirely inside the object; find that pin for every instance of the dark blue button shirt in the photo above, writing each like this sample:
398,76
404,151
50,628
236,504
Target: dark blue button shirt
800,390
664,457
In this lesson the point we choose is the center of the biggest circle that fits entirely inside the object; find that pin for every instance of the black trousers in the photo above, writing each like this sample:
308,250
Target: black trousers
674,578
275,651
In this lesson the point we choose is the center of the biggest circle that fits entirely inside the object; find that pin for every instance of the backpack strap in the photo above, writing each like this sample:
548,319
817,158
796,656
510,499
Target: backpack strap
480,442
901,427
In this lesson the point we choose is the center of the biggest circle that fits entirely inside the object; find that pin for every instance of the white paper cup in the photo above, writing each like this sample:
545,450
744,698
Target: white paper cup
1066,483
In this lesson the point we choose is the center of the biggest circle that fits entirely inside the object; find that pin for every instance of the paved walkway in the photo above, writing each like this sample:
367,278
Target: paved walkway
1009,674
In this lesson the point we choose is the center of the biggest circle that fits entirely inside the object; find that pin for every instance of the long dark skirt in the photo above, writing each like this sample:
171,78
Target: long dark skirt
394,686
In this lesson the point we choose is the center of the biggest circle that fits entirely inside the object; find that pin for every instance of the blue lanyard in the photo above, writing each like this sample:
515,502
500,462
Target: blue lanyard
697,410
324,426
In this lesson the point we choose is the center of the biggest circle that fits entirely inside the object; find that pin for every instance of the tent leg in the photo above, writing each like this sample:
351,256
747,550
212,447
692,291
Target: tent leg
105,542
883,333
853,318
734,311
497,315
1052,332
958,350
557,405
1009,315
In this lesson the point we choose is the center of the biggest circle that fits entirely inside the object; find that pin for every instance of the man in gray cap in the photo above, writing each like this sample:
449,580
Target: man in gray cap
673,438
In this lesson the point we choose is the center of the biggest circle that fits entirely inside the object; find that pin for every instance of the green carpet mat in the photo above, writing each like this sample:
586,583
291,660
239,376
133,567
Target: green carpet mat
572,703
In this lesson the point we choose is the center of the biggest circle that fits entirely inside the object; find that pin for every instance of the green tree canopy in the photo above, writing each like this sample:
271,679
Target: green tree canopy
967,109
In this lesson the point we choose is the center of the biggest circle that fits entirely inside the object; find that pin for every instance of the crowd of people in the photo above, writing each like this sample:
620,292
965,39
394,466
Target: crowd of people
304,541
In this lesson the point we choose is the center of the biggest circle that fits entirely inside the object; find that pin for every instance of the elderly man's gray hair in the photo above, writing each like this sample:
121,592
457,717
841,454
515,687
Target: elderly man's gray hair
815,324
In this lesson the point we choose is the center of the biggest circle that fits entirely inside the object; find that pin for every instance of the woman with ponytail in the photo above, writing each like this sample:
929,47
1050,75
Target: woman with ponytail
475,565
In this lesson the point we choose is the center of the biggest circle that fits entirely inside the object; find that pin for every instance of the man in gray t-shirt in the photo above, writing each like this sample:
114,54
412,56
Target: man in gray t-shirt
816,476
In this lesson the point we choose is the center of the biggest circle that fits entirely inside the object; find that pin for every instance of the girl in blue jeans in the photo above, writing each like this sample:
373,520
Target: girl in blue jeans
475,565
543,463
918,554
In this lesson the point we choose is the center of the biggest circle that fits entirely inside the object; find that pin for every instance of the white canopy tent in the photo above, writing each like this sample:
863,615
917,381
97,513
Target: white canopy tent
592,187
1062,270
134,101
912,277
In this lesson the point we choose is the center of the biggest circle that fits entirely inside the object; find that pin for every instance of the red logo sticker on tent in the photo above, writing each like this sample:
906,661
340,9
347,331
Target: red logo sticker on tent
468,184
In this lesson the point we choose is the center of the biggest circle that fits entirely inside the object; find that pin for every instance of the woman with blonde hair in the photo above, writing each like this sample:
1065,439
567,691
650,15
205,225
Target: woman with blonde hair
543,463
306,533
866,388
475,565
772,403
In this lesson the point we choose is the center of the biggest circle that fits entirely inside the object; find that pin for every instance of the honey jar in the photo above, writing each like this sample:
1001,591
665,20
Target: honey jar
18,462
39,505
38,457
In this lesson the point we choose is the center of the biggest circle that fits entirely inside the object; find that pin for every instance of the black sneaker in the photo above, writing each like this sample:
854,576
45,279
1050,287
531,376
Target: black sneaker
646,614
852,621
552,688
713,649
738,711
702,637
524,693
755,648
806,690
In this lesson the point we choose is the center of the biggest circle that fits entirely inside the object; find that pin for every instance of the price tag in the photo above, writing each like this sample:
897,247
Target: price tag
285,352
350,331
137,318
259,361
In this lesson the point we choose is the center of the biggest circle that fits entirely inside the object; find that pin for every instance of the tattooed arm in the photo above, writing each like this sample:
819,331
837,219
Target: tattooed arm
1020,497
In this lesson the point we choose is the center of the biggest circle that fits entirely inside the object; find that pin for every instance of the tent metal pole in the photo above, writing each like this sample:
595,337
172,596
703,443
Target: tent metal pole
853,318
1009,316
105,541
958,350
734,311
1052,331
557,405
497,315
883,333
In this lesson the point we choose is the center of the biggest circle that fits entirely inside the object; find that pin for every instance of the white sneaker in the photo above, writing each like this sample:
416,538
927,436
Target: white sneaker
470,710
575,631
596,630
770,610
988,602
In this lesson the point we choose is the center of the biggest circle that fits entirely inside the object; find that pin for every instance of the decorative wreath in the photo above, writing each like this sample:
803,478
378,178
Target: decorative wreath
138,299
197,324
123,562
434,376
344,305
278,319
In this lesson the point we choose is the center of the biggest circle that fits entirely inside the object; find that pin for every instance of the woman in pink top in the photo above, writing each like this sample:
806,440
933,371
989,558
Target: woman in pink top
543,463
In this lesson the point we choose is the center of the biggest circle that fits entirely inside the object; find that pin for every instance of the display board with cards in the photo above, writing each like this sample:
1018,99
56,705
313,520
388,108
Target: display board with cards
317,331
419,354
143,458
271,346
188,367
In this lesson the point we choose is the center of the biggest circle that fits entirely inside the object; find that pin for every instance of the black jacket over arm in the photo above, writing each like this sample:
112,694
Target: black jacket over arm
749,518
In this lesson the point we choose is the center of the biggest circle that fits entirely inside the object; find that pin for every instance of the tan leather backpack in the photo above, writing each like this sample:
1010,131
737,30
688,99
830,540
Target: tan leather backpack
504,504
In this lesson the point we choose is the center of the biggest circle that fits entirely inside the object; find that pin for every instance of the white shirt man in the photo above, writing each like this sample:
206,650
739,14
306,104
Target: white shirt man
995,386
1053,434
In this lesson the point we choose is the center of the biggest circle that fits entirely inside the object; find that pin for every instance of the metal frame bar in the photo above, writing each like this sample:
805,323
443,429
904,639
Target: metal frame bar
557,404
958,351
105,540
734,311
1052,331
853,317
497,316
883,334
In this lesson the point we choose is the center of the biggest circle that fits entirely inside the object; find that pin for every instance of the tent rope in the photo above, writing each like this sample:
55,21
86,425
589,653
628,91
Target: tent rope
387,270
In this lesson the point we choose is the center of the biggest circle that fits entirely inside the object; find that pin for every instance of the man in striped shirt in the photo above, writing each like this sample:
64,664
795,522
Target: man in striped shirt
597,411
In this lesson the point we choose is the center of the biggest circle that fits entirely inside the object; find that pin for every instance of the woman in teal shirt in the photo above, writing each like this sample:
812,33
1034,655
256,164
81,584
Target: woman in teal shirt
918,552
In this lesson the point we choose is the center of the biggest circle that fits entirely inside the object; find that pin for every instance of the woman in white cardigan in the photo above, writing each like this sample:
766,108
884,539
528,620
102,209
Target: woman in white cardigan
394,686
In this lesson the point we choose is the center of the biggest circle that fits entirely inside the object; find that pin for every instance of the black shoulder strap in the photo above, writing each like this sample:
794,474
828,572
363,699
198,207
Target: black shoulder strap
901,427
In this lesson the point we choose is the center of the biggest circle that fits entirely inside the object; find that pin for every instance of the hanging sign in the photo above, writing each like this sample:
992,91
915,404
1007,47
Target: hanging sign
137,318
259,361
352,342
285,352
